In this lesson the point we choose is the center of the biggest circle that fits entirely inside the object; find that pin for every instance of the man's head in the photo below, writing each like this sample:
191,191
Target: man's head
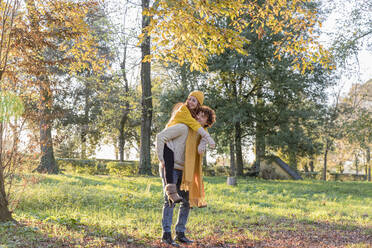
206,116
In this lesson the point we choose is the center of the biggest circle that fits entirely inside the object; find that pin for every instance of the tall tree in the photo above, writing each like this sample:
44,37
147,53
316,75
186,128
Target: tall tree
146,101
53,36
9,104
265,92
358,125
82,102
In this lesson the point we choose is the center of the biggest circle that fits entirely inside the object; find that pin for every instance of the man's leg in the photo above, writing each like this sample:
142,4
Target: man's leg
184,211
167,215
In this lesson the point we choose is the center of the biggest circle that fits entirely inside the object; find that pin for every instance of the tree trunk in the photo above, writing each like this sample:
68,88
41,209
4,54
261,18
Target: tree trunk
145,158
325,161
83,140
121,142
5,214
368,160
311,164
116,147
260,146
306,168
232,172
260,129
293,160
238,146
231,180
356,163
85,126
11,9
47,162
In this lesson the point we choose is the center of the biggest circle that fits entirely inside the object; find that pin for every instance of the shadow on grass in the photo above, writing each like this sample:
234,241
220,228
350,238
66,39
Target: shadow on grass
86,180
270,230
43,234
342,189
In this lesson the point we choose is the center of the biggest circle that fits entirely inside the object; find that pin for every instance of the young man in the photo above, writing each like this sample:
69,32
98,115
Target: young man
170,144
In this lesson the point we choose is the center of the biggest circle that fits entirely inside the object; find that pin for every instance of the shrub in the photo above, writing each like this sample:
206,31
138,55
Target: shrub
216,171
102,167
91,167
127,168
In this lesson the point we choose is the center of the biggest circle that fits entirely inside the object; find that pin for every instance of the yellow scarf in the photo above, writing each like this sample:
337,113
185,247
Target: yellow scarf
192,177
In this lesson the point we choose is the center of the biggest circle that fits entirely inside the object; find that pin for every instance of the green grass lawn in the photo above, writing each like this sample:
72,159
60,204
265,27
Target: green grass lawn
99,211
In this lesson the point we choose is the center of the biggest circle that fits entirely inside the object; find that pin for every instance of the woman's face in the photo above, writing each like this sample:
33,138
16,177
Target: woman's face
192,102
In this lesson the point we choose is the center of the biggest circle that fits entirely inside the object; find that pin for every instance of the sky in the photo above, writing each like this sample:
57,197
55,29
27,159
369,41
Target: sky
359,68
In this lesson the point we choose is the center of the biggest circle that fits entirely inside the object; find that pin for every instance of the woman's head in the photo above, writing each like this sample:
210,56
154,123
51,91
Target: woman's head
196,95
194,102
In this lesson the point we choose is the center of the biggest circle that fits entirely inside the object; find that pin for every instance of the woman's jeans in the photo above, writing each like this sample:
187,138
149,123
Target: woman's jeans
184,210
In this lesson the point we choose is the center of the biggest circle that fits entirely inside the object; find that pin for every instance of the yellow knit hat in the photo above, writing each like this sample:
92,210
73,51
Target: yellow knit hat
198,95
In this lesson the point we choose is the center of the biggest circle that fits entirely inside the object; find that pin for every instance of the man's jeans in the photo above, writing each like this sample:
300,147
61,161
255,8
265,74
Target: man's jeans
183,213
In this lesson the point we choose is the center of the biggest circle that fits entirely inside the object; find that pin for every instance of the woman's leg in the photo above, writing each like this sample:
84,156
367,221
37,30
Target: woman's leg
170,188
169,164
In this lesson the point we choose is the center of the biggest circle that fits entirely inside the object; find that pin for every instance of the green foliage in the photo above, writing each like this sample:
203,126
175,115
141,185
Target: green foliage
10,106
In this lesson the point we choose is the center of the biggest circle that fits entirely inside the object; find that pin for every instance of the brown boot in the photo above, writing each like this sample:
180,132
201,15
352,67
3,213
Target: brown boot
171,191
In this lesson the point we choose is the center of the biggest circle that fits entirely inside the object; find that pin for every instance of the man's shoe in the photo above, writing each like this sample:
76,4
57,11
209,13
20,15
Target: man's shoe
167,239
180,236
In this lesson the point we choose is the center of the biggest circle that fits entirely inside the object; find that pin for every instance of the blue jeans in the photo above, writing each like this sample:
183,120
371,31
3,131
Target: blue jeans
184,210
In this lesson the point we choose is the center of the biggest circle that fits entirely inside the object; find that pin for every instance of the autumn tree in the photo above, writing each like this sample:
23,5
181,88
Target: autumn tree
189,32
358,125
124,95
51,37
186,31
10,104
80,99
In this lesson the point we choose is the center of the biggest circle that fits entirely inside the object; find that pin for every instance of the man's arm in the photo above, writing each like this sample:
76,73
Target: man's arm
184,116
202,145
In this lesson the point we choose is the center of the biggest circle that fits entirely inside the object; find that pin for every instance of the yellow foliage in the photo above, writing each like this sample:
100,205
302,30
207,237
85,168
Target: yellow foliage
188,32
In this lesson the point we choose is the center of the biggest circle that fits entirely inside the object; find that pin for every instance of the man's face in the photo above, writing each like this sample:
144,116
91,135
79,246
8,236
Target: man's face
202,118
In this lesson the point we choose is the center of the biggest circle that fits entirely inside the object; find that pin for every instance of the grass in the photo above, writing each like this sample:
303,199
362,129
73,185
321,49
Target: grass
98,211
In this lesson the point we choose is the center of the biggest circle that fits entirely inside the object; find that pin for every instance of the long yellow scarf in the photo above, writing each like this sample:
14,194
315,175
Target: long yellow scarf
192,177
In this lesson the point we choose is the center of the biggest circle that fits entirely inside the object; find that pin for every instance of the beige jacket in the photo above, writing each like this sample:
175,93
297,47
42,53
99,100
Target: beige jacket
175,138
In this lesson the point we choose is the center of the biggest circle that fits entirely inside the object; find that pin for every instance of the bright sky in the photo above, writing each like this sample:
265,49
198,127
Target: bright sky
360,66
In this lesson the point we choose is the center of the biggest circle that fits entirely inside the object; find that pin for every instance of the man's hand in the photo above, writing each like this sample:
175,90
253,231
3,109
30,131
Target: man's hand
211,142
162,164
